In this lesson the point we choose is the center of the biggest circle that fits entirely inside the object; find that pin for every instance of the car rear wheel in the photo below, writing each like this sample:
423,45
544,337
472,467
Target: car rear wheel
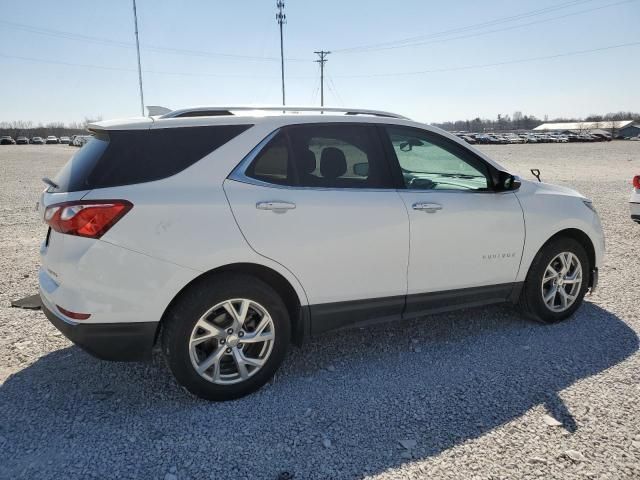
557,281
226,337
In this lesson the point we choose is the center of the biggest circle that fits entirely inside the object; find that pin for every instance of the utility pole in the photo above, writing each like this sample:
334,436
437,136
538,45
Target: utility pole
281,18
322,59
135,21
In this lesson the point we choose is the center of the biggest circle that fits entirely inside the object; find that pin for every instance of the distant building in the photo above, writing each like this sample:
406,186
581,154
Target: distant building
622,128
632,130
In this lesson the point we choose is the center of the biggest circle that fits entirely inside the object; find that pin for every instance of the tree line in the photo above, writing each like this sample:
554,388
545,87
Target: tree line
26,128
503,123
518,121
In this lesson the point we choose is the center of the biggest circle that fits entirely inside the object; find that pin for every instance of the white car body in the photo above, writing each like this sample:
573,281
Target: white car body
368,249
634,201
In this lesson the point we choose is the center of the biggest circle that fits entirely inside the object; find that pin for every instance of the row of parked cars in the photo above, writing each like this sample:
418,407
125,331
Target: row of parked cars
75,140
529,137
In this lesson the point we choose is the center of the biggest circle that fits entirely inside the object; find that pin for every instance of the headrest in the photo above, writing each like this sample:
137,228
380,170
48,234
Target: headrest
333,164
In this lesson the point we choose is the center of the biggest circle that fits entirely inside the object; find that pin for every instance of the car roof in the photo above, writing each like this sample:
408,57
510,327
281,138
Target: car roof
270,118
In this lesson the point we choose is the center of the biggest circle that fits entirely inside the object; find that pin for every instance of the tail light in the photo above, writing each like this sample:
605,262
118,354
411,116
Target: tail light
86,218
74,315
636,182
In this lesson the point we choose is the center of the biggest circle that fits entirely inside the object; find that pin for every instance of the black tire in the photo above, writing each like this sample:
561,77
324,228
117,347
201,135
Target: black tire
531,302
180,321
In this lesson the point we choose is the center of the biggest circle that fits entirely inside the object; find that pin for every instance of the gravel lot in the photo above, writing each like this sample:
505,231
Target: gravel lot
465,395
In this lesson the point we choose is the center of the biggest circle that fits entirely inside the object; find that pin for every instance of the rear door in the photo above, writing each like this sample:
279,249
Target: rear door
319,200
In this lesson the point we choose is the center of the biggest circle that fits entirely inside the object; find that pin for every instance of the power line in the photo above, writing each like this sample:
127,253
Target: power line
495,64
322,59
334,89
465,28
124,69
225,75
155,48
487,32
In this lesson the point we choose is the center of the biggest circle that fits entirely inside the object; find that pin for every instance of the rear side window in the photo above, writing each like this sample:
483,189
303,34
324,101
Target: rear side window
324,156
272,164
126,157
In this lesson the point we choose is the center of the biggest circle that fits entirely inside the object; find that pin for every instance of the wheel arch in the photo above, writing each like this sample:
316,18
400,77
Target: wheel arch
582,238
298,312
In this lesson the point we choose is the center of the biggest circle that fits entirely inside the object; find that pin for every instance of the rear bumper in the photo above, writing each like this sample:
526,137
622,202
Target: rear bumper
108,341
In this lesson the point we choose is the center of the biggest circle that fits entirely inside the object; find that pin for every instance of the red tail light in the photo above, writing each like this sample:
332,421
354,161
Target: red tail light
74,315
636,182
86,218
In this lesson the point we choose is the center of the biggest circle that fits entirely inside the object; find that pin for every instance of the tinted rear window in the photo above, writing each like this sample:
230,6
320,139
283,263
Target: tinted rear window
125,157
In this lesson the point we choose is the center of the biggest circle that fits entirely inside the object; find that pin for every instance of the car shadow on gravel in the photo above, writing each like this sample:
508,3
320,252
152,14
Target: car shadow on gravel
337,408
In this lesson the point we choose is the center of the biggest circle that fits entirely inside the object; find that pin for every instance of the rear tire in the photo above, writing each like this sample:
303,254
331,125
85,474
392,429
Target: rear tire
550,298
226,336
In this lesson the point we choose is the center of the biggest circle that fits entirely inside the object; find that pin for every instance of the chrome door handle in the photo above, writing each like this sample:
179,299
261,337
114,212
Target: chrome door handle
427,207
275,206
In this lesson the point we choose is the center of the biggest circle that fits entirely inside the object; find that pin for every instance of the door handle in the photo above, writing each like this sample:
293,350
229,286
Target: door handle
275,206
427,207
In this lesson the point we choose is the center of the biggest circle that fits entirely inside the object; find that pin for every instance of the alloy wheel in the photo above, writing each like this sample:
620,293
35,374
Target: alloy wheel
561,282
232,341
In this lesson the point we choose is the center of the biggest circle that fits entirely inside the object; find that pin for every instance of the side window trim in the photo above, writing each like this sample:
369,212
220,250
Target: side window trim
239,173
442,142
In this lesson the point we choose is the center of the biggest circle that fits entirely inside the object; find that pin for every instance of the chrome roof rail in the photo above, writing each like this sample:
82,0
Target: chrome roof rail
222,111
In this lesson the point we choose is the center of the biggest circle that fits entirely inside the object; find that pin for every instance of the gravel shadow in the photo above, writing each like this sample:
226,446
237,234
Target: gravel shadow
439,381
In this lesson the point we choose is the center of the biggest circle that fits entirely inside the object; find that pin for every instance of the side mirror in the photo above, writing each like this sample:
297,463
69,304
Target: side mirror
507,182
361,169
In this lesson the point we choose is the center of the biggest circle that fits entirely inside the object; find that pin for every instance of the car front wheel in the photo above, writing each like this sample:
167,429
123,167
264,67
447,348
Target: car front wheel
557,281
226,337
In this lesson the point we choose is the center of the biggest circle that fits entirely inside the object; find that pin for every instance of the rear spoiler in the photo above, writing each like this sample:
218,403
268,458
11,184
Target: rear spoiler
157,110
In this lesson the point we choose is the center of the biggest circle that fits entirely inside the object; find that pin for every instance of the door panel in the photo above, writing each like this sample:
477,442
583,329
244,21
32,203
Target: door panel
473,240
465,235
343,244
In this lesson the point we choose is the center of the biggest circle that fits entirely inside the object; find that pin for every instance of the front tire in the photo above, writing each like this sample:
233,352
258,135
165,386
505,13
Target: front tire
226,336
557,281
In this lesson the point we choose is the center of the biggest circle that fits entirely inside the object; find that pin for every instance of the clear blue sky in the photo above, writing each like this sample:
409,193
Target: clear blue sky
576,85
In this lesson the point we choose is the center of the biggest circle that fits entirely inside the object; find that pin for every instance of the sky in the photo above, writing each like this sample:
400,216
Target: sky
431,61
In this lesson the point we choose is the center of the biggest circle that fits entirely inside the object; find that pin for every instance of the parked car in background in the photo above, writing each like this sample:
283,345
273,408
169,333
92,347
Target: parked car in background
65,140
37,141
52,139
634,201
469,139
128,260
80,140
7,140
22,141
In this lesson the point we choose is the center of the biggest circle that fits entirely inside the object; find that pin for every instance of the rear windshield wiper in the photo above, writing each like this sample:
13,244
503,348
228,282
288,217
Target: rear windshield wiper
50,182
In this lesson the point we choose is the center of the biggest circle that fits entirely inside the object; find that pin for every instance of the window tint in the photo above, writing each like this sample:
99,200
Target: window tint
325,156
272,164
125,157
428,163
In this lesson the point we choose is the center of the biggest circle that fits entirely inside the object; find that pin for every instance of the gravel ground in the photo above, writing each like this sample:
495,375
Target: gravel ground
476,394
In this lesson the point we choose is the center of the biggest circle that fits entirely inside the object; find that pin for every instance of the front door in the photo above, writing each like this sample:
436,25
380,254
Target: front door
466,238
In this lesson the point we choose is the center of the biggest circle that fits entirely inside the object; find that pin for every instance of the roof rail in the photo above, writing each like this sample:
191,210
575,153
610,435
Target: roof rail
222,111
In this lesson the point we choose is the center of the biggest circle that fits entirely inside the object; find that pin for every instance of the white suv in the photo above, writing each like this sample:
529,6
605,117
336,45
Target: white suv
634,201
224,234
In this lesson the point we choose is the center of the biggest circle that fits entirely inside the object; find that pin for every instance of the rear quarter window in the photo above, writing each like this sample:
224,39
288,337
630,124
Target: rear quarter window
126,157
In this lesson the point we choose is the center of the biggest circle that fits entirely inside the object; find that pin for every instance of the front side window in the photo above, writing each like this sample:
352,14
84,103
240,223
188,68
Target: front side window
324,156
428,163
